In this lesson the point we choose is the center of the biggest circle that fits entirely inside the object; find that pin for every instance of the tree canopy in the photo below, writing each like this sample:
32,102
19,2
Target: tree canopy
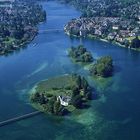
103,67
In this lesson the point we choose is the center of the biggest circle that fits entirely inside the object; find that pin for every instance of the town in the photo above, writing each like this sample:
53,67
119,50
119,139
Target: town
115,23
18,20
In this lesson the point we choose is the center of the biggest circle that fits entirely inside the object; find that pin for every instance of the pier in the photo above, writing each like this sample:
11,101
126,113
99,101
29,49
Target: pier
19,118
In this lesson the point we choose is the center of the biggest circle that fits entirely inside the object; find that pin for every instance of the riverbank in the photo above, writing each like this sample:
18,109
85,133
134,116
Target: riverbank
93,37
18,31
113,42
18,46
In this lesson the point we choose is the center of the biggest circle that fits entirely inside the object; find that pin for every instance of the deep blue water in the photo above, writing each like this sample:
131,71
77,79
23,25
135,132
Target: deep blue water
115,116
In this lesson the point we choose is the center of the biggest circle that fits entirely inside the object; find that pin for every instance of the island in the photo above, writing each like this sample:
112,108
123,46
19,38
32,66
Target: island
18,23
62,94
103,67
80,54
116,21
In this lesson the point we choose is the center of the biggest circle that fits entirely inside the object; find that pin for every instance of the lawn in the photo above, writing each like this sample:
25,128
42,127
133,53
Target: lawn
131,38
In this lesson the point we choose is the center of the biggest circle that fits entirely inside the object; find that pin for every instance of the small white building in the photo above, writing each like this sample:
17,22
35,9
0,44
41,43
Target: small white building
115,27
64,100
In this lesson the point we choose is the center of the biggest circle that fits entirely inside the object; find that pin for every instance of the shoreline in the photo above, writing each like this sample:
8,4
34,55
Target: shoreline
19,46
10,44
93,37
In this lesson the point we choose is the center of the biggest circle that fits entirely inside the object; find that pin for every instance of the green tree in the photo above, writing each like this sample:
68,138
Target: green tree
50,104
35,97
103,67
42,99
77,101
58,108
135,43
84,84
75,91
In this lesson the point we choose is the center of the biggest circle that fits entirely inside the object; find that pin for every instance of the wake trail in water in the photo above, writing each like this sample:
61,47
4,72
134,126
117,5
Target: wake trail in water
39,69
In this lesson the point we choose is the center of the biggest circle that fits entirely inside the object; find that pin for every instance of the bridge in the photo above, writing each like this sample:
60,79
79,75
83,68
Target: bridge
19,118
50,30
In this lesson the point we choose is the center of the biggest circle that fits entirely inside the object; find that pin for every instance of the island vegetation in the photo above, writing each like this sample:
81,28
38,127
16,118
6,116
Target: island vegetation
80,54
103,67
62,94
18,23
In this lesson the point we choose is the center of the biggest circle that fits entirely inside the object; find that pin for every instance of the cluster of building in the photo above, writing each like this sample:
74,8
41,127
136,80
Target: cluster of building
113,8
18,24
109,28
6,3
107,19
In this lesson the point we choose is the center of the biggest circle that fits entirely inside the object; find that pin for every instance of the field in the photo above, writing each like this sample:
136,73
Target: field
131,38
57,86
9,41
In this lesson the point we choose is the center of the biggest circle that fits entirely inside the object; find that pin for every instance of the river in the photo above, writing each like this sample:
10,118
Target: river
114,116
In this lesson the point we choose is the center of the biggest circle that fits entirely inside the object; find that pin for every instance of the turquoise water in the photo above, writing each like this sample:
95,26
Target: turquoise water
115,116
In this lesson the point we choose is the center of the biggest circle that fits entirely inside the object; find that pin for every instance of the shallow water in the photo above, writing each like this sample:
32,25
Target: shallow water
115,116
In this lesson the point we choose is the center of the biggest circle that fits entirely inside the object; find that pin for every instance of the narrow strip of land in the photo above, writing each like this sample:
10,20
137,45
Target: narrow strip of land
19,118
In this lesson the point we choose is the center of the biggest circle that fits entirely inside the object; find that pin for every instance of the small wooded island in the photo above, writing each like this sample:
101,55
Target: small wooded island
62,94
80,54
102,67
